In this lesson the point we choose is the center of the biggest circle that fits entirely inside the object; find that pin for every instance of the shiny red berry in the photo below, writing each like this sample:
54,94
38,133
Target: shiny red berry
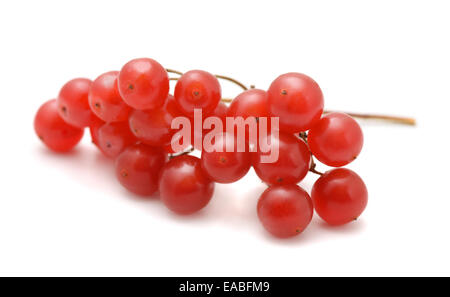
143,84
113,138
73,103
105,100
138,168
285,211
184,187
336,140
154,126
297,100
54,132
226,166
197,89
93,129
339,196
292,164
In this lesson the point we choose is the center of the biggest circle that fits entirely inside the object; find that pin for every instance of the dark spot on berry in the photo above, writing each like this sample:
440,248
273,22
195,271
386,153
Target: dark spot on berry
41,137
279,180
64,109
298,230
257,119
97,105
354,157
124,173
355,219
131,87
283,92
196,93
223,160
108,145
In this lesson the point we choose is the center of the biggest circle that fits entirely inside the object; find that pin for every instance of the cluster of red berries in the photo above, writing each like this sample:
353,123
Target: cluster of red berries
129,115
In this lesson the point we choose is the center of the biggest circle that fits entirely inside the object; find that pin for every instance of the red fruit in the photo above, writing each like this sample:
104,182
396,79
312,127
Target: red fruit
73,103
54,132
297,100
154,126
105,100
197,89
226,166
93,129
292,164
183,185
221,112
143,84
285,211
336,140
138,168
339,196
113,138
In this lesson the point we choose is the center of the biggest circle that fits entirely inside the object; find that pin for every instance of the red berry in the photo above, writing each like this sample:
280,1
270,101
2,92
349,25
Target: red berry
297,100
226,166
183,185
93,129
221,112
197,89
285,211
143,84
73,103
336,140
154,126
54,132
105,100
339,196
138,168
292,164
113,138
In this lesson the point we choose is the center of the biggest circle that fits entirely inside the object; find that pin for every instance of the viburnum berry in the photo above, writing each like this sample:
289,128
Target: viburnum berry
143,84
93,129
73,103
339,196
54,132
153,126
292,164
336,140
113,138
197,89
184,187
138,167
285,210
225,166
105,100
297,100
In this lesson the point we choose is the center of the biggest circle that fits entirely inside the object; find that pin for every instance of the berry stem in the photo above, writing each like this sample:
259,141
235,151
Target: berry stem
394,119
186,152
174,71
312,168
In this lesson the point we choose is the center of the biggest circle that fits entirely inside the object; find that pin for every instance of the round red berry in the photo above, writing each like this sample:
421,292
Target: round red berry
183,185
285,211
339,196
54,132
73,103
297,100
143,84
336,140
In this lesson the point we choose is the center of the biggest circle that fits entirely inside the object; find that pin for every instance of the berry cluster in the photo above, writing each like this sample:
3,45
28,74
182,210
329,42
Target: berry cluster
130,113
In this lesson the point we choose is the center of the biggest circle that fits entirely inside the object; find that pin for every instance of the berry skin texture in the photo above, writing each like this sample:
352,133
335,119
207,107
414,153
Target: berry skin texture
293,161
197,89
285,211
138,167
183,186
297,100
54,132
153,127
143,84
105,100
113,138
339,196
336,140
226,167
73,103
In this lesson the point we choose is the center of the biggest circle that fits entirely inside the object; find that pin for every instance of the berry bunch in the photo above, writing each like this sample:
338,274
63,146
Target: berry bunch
130,116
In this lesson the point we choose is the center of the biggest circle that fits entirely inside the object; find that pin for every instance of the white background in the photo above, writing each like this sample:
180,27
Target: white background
67,215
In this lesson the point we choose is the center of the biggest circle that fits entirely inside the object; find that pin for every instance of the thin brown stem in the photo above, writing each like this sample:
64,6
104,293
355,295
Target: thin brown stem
233,81
312,168
394,119
186,152
174,71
